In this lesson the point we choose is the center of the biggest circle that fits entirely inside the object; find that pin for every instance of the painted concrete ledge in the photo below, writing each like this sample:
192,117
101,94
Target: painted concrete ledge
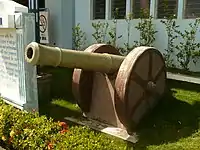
181,77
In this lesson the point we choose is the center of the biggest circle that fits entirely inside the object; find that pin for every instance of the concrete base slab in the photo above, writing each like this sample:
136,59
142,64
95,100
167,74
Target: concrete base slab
105,128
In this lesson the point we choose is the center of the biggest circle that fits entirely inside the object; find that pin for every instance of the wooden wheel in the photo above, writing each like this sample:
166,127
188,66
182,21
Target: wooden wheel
83,80
139,84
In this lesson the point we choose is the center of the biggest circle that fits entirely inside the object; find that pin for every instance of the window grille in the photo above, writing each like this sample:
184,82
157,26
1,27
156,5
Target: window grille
118,9
99,7
192,9
167,8
140,8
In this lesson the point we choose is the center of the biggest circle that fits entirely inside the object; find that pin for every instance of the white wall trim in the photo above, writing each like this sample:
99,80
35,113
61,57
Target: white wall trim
91,9
153,8
181,9
108,12
129,7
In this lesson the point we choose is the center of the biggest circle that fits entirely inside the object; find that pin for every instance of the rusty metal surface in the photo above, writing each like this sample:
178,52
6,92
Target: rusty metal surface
102,106
83,80
139,84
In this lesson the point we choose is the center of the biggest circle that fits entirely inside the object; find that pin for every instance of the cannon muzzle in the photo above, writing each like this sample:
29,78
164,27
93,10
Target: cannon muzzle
37,54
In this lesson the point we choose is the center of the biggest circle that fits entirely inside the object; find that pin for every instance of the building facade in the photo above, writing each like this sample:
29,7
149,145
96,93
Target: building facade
65,14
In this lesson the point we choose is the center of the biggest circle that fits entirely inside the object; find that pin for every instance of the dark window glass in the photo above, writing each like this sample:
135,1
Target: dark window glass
99,9
140,8
119,9
192,9
167,8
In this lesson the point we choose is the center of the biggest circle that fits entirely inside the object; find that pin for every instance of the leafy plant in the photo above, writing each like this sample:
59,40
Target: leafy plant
188,48
20,130
128,48
171,28
100,31
146,29
113,31
79,37
112,34
147,32
103,30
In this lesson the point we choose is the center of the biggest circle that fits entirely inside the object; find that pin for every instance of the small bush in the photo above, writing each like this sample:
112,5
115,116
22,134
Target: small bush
27,131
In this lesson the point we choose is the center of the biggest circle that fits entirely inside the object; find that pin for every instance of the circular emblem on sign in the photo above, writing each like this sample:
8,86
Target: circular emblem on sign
43,23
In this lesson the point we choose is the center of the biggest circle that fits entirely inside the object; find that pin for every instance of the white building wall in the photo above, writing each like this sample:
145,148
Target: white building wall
61,22
64,14
83,15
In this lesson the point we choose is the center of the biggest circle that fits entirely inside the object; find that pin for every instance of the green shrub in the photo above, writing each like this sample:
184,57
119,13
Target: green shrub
61,84
27,131
24,130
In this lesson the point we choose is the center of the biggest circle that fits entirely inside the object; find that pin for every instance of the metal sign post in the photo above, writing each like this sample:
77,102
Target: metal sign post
44,25
34,8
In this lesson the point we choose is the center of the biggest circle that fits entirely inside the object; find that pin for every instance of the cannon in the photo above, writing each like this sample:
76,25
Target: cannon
118,90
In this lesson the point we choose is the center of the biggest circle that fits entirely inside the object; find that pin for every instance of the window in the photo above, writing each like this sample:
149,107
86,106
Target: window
192,9
99,7
167,8
140,8
118,9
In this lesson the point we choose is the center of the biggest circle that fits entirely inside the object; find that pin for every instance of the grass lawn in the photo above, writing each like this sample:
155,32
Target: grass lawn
173,124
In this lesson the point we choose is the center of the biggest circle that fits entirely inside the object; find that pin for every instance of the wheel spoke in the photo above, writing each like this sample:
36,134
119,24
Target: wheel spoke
153,99
135,77
144,97
155,95
140,100
159,73
150,66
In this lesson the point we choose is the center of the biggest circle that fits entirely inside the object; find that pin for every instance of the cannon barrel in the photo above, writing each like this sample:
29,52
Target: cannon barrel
37,54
